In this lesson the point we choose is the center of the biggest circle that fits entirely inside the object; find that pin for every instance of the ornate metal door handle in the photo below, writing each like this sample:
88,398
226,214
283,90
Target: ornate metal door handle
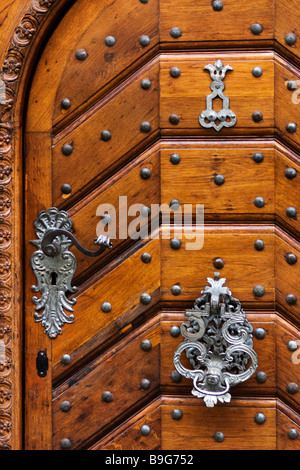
225,117
54,266
218,344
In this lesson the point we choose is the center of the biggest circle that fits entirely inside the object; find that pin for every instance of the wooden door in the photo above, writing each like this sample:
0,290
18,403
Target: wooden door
113,117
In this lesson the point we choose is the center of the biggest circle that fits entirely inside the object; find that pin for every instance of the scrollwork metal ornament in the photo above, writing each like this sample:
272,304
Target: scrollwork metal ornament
225,117
217,343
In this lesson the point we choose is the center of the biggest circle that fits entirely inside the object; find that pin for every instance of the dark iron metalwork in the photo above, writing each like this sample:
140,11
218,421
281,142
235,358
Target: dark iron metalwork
42,363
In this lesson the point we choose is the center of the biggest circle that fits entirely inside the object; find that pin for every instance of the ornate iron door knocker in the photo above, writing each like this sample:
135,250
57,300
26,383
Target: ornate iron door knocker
54,266
218,344
225,117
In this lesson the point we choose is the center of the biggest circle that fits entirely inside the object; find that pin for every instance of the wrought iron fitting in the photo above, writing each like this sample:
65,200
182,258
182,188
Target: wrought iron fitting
54,266
218,344
225,117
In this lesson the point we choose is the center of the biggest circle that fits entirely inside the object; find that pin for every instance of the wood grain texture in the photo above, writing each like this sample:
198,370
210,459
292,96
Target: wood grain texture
122,115
199,22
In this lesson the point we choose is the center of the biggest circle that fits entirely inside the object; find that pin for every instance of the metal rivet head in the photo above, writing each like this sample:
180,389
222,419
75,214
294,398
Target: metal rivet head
219,180
291,212
291,127
261,377
145,211
259,245
105,135
291,258
145,384
290,39
146,345
257,116
290,173
217,5
174,204
259,333
292,85
146,258
66,189
291,299
177,414
258,157
106,307
293,434
259,202
65,444
67,149
144,40
175,243
174,119
144,1
146,84
260,418
145,299
175,331
175,32
66,359
175,159
293,388
145,430
175,72
175,376
219,436
292,346
81,54
176,290
65,406
66,104
258,291
145,126
257,72
145,173
218,263
110,41
256,29
107,396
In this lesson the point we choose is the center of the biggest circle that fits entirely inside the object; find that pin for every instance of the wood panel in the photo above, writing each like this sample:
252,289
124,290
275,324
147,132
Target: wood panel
122,114
119,198
192,181
236,421
244,266
199,22
119,372
287,22
121,286
185,97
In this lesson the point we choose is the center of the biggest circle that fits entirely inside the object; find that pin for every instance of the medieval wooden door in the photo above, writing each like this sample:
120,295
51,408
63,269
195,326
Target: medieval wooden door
143,104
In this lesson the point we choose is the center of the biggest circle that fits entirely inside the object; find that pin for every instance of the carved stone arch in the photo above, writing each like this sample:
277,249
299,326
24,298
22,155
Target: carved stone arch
33,22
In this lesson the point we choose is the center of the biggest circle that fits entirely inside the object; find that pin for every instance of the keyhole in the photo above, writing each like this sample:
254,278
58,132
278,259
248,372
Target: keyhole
53,279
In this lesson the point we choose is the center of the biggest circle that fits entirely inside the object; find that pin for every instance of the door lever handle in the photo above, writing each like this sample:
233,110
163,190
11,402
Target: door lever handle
54,267
217,343
51,248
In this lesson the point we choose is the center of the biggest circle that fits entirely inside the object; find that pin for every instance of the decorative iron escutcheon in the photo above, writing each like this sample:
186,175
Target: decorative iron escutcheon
225,117
218,344
54,266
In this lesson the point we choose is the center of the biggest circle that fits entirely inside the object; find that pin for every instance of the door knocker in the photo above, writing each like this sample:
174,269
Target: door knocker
225,117
54,266
218,344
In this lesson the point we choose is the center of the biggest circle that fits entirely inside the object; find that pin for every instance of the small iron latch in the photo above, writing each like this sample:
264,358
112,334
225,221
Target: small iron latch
218,344
54,266
42,363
